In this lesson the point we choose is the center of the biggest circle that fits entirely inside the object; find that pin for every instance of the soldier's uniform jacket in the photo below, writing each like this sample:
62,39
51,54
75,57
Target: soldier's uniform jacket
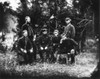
56,43
24,43
56,39
69,30
44,40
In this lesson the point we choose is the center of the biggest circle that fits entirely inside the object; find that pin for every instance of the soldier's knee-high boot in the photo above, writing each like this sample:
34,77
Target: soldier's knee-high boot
72,59
34,52
26,58
30,56
41,56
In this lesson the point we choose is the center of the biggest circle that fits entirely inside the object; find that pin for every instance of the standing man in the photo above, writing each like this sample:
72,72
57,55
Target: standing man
28,26
31,35
55,43
69,29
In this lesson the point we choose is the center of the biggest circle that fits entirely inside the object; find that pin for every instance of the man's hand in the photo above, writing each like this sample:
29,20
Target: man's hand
41,48
34,38
31,50
23,50
61,41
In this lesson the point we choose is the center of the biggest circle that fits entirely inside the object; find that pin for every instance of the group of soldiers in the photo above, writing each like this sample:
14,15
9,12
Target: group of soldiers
50,48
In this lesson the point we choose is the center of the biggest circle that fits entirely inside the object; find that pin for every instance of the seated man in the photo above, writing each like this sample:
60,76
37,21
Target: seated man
55,42
25,47
44,42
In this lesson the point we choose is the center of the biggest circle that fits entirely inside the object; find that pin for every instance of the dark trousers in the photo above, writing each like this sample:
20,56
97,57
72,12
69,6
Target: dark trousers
72,58
44,55
54,50
28,57
34,49
24,56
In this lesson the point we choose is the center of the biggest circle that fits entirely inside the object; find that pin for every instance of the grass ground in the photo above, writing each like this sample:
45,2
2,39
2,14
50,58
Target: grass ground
83,67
